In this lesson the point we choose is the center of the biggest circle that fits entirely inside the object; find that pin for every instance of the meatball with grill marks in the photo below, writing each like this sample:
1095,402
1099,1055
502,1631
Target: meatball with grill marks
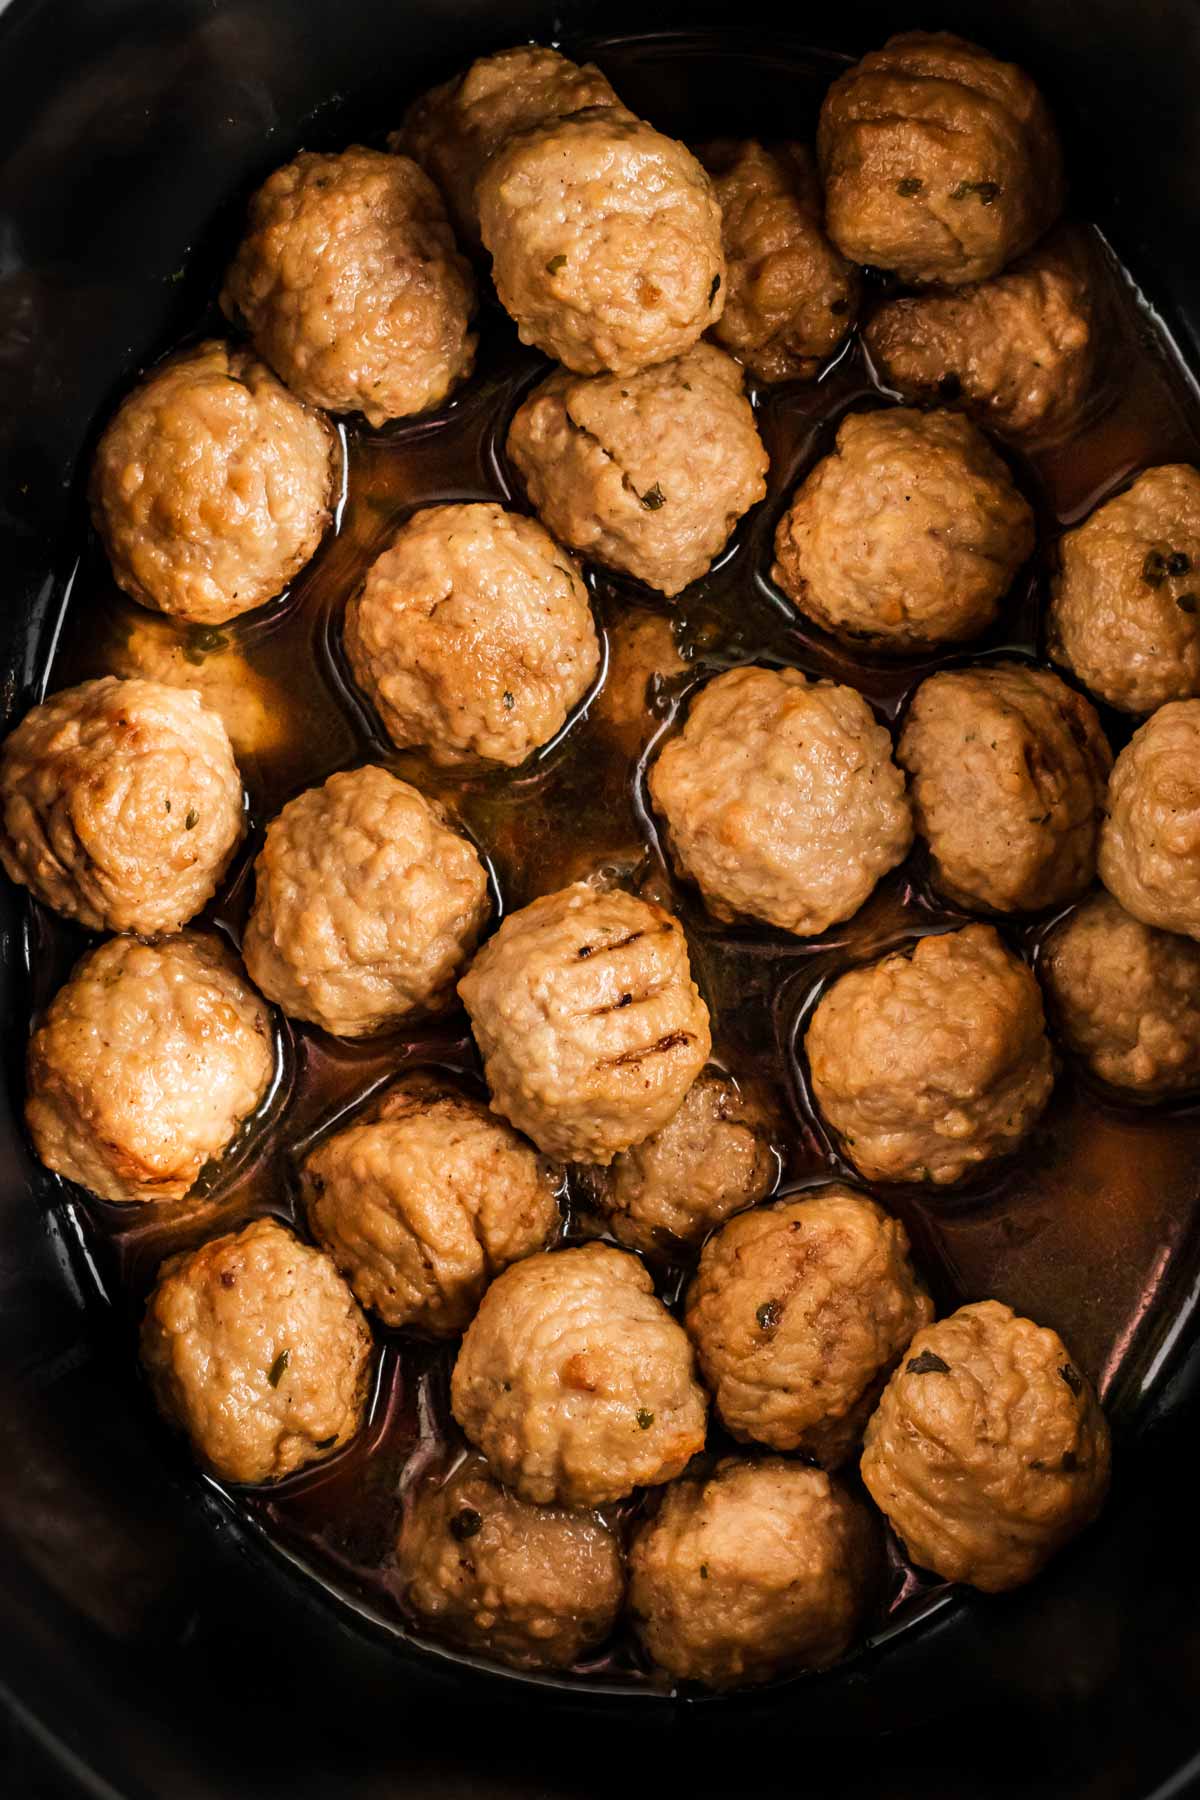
1150,843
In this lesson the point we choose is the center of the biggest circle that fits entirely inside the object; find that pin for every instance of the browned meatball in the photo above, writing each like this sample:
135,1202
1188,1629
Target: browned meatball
908,536
930,1062
590,1026
1009,768
988,1450
366,905
472,634
122,804
145,1064
350,285
211,486
791,296
1125,612
255,1347
423,1199
713,1158
1126,998
781,799
939,161
537,1587
642,656
605,240
1150,842
575,1382
646,473
761,1568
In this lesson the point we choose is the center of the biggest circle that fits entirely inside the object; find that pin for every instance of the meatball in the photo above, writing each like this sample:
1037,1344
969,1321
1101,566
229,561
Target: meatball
575,1382
605,240
908,536
252,706
713,1158
145,1064
121,804
454,130
1150,842
423,1199
646,473
254,1345
366,905
760,1568
350,285
1126,998
642,657
781,799
933,1060
988,1450
211,486
472,634
537,1587
1009,768
939,161
791,297
1125,607
799,1312
590,1026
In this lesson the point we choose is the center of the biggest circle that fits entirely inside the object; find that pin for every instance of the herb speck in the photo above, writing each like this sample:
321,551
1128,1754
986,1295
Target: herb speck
927,1363
278,1369
653,498
645,1419
769,1314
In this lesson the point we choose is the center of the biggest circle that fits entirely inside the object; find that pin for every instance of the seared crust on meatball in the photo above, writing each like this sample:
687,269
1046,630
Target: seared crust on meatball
350,285
145,1064
939,161
1150,843
605,239
1125,607
907,536
535,1586
590,1026
211,486
988,1450
647,473
927,1064
575,1382
781,799
423,1199
763,1567
255,1347
1009,767
791,296
366,905
472,634
122,804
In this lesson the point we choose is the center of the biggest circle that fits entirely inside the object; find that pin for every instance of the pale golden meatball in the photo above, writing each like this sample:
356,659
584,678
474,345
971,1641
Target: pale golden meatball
1150,842
646,473
988,1451
1008,770
1125,998
144,1065
212,485
605,239
367,905
933,1061
254,1346
642,658
798,1313
472,634
349,283
791,296
252,706
575,1382
537,1587
781,799
423,1199
908,536
939,161
590,1026
121,804
1125,606
761,1568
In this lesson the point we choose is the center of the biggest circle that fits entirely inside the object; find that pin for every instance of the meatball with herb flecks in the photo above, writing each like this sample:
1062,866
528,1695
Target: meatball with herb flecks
1150,842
